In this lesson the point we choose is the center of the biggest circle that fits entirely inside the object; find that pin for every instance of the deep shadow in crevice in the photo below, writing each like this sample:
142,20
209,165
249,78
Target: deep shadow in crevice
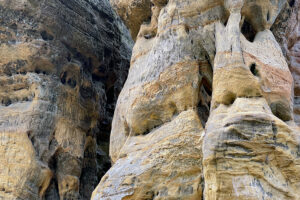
52,190
248,31
254,70
110,94
268,16
203,107
292,3
46,36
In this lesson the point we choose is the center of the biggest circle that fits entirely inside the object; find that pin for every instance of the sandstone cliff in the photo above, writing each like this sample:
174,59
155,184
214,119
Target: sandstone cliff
62,66
210,107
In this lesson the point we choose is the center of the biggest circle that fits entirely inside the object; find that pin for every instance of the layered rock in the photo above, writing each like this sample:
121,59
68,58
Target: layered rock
248,147
287,31
199,60
62,66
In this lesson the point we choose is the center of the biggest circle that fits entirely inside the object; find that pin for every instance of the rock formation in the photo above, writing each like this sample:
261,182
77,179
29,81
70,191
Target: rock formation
209,107
63,63
287,32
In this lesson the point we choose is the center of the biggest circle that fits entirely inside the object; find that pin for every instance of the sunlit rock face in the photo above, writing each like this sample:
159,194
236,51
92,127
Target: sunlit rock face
62,65
207,108
248,147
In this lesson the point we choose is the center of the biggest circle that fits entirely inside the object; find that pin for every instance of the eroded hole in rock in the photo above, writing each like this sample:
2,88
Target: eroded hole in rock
6,102
229,98
187,29
13,26
63,78
248,31
291,3
46,36
72,83
254,70
15,67
268,16
78,56
149,36
148,20
39,71
69,80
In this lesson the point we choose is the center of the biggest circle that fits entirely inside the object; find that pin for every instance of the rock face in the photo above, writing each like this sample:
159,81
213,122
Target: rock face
62,66
287,32
208,110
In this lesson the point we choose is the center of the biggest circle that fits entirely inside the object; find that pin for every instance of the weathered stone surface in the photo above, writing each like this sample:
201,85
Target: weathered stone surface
144,173
133,12
248,147
287,32
248,153
260,62
191,61
62,66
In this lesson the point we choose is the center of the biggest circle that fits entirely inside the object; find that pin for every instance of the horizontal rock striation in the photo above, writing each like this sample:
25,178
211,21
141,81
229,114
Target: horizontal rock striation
208,110
287,31
62,66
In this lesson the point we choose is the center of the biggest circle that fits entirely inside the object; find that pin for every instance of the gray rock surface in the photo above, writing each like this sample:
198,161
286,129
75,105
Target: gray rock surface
207,109
62,66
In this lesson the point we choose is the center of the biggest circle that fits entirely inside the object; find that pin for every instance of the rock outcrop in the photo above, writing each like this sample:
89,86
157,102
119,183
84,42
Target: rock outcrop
207,111
287,32
63,64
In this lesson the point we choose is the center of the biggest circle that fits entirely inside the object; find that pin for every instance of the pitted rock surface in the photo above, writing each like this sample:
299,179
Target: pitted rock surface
208,110
62,66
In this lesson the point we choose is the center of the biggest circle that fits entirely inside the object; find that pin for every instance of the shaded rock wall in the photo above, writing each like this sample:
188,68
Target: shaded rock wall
287,32
63,64
208,110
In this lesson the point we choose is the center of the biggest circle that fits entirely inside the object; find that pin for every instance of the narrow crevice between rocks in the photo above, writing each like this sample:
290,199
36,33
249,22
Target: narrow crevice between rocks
205,91
203,107
52,190
46,36
268,16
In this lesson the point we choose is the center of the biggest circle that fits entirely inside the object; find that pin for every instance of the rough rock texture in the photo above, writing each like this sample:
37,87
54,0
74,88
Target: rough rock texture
207,109
287,32
62,66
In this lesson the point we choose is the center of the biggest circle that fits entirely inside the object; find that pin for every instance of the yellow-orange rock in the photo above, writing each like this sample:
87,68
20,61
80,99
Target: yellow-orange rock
191,55
162,164
62,65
